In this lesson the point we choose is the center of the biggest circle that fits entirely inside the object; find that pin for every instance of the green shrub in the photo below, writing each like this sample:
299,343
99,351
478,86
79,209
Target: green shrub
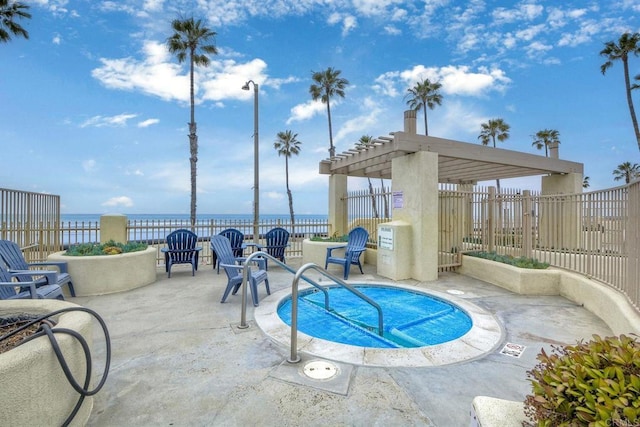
108,248
595,383
334,238
522,262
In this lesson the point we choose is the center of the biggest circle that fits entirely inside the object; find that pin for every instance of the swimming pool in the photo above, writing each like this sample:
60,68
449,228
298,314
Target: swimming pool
411,319
486,334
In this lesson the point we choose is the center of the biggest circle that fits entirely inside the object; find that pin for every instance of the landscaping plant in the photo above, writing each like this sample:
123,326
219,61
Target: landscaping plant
108,248
596,383
522,262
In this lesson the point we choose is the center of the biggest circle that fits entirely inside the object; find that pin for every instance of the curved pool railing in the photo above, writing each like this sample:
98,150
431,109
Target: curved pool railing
294,358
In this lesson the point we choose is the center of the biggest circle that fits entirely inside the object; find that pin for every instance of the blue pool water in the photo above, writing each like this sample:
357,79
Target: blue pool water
411,319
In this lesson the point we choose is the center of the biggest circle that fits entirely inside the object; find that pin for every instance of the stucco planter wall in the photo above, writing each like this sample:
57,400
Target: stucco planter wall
316,252
33,388
106,274
524,281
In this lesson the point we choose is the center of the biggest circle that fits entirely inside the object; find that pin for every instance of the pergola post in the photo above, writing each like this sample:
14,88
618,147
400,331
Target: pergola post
338,221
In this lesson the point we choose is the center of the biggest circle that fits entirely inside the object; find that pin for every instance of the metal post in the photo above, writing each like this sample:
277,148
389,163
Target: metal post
256,177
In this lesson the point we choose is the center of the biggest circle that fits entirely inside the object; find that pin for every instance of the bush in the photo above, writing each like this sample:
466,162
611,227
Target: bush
109,248
522,262
595,383
334,238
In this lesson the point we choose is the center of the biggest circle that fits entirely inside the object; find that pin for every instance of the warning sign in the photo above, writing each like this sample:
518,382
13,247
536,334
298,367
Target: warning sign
513,350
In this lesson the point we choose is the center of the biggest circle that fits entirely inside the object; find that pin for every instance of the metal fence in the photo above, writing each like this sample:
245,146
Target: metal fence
596,234
367,209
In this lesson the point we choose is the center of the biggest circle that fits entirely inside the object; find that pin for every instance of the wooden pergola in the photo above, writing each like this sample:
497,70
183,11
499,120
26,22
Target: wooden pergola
458,162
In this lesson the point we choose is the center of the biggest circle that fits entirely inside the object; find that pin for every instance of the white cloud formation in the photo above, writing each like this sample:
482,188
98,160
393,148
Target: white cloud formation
121,201
306,111
455,80
108,121
148,122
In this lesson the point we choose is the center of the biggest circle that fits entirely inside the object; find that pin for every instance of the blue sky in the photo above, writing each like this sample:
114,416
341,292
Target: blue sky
95,109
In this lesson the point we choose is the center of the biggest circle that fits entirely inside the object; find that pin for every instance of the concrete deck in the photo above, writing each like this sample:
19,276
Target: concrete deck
179,359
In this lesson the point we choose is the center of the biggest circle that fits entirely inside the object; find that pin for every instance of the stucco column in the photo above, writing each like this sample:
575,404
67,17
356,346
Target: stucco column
415,194
113,227
338,220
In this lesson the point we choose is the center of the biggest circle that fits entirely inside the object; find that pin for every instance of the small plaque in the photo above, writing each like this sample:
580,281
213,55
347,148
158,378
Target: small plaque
513,350
385,238
398,199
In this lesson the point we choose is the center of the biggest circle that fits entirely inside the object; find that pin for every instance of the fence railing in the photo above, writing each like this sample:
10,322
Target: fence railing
596,234
152,232
368,208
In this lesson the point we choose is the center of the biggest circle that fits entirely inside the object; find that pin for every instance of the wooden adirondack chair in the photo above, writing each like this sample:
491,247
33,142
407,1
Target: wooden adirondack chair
233,266
355,246
25,290
237,245
181,249
14,259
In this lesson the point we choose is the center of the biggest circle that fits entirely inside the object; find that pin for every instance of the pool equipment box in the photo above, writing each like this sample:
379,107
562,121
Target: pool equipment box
394,250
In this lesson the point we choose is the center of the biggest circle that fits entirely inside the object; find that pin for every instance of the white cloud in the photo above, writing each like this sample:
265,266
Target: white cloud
157,75
108,121
122,201
148,122
455,80
57,39
306,111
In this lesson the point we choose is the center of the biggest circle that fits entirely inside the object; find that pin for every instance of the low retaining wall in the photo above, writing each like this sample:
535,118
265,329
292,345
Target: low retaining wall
33,388
106,274
605,302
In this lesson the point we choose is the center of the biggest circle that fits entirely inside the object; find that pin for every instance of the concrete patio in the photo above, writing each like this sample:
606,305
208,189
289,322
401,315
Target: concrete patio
178,358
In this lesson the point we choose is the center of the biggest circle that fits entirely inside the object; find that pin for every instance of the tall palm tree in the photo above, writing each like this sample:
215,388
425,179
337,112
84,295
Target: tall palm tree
627,171
543,138
628,44
492,130
585,182
190,40
10,11
328,83
424,94
287,145
364,142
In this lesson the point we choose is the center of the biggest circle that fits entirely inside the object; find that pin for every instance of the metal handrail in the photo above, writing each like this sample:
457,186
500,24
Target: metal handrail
294,358
294,296
245,279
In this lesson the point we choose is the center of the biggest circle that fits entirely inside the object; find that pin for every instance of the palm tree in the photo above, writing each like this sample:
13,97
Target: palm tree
328,84
364,142
628,44
190,40
544,138
585,182
424,94
287,145
627,171
492,130
9,11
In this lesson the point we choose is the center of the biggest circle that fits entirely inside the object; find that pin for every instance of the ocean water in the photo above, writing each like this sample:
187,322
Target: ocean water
201,217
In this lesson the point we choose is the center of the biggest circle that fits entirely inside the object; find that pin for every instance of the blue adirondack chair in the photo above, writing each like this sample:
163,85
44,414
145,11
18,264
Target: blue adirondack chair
355,246
25,290
14,259
237,244
277,240
233,266
181,249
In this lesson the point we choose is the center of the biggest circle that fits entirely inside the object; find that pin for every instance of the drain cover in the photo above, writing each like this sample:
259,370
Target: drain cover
320,370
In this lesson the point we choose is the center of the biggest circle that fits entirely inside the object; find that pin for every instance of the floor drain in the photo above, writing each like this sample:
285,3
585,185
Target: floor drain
320,370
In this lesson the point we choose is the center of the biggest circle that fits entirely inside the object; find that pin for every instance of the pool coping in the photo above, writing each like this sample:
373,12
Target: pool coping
485,336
